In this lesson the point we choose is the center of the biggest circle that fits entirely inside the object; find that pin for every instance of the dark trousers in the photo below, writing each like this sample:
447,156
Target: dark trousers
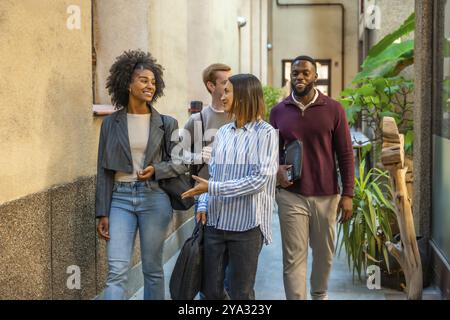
242,249
225,281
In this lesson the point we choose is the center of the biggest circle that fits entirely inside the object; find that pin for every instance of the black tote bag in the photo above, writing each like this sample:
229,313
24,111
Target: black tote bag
186,279
175,186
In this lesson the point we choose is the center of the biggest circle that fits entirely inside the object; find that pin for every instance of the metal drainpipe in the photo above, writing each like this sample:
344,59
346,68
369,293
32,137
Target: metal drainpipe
340,5
239,50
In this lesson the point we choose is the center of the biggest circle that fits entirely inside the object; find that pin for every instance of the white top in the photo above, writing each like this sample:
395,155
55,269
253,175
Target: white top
215,110
303,107
138,132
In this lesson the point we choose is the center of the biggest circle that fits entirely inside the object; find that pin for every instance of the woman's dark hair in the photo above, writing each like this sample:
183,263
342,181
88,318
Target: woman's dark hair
248,102
121,75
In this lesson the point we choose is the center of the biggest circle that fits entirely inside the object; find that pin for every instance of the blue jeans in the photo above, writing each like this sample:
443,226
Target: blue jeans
143,206
241,249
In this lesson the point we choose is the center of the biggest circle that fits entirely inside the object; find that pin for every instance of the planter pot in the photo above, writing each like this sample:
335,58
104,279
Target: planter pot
396,279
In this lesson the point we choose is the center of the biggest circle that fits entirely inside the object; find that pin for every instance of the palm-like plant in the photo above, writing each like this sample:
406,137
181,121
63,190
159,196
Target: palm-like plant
364,235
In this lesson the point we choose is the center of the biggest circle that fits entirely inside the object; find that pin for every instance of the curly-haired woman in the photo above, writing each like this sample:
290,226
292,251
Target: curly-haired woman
129,166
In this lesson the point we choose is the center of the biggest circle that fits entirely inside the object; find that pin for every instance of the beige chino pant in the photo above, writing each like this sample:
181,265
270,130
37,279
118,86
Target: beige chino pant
303,220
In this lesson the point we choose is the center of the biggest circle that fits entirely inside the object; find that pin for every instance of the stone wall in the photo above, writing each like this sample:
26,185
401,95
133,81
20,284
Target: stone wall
45,233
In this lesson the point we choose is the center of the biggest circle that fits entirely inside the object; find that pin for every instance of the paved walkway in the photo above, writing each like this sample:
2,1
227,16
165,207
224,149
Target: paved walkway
269,278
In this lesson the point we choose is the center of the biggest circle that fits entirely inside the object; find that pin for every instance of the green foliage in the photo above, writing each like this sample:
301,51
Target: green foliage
389,62
375,98
388,58
271,97
363,237
446,94
407,27
378,89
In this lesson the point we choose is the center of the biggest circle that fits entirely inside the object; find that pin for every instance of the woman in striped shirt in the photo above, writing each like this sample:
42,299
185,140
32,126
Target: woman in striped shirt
239,195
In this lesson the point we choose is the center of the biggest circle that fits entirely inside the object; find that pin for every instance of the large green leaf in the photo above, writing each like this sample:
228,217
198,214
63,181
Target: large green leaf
366,90
394,51
372,214
381,197
386,258
384,218
446,47
409,137
389,62
388,58
405,28
352,113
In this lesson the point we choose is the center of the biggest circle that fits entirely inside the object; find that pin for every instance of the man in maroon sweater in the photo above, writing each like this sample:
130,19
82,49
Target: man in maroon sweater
308,207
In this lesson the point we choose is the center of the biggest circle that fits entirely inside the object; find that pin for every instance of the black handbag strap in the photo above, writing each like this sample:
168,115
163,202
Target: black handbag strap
199,229
166,156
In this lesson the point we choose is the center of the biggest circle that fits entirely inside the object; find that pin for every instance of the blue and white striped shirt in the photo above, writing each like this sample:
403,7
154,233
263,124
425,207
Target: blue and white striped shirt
243,167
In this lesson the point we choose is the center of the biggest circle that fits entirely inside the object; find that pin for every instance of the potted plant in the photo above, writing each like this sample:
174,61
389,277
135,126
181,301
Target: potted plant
363,237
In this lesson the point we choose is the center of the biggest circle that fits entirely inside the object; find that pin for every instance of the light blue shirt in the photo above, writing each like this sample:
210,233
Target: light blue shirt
243,167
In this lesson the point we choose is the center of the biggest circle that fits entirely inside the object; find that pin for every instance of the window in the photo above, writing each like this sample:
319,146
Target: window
323,70
441,133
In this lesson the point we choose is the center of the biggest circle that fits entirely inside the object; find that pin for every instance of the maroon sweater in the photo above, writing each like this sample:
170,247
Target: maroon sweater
324,131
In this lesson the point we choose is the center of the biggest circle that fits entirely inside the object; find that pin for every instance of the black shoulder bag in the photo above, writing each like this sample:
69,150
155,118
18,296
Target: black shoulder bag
175,186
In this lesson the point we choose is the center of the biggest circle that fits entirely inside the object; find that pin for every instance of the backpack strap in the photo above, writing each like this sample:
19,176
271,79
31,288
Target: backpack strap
200,167
203,128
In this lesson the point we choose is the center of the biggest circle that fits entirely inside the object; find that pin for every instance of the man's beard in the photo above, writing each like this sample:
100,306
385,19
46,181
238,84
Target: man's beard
305,90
